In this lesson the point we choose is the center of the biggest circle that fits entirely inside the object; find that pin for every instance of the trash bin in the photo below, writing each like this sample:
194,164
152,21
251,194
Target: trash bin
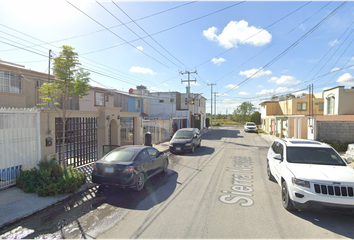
148,140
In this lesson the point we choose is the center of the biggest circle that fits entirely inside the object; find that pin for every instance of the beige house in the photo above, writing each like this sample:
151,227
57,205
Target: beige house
93,123
290,118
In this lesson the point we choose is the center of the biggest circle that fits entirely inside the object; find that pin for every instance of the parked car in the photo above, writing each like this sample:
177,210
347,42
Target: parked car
129,166
311,174
250,127
185,140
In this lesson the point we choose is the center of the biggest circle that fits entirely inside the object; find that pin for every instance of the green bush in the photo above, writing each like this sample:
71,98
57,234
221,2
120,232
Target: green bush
338,146
50,179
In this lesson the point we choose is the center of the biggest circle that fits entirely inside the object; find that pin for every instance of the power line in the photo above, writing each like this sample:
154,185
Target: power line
119,36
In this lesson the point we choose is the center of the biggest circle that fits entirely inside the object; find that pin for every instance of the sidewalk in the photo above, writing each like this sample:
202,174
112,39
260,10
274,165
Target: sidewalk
15,204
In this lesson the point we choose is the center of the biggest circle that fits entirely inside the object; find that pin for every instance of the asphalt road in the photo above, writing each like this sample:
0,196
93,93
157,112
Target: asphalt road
220,191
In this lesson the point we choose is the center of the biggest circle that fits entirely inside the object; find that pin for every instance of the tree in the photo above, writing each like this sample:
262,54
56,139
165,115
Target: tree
70,80
255,117
243,111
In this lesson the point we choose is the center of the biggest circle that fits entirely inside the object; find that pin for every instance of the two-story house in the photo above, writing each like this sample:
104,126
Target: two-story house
291,117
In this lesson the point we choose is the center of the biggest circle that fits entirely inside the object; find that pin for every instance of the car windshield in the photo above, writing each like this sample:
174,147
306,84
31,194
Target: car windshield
183,135
250,124
124,155
312,155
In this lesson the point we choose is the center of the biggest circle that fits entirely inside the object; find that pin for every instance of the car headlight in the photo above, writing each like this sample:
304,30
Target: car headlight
188,144
171,145
301,182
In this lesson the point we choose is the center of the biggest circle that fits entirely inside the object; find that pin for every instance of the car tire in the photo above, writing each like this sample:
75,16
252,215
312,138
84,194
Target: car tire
269,173
193,148
165,166
140,183
286,200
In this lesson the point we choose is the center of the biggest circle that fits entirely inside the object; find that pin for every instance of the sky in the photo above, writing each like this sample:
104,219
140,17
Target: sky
235,51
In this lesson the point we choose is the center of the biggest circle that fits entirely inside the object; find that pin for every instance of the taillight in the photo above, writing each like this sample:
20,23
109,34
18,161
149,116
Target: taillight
94,167
128,169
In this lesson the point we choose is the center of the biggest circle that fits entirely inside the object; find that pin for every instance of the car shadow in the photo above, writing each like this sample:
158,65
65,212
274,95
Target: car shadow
157,190
200,151
340,223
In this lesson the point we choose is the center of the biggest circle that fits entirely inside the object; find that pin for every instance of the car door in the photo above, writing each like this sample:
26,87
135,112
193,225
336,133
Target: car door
143,161
154,160
278,149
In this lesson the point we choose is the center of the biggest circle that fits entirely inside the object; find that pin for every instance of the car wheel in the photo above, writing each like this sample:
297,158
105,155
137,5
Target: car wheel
165,166
192,150
140,183
287,202
269,173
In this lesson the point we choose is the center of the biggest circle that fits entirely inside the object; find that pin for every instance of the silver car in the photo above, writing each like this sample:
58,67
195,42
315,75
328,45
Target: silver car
250,127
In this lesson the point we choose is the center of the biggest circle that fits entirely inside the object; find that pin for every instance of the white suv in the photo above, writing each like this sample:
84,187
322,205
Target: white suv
311,174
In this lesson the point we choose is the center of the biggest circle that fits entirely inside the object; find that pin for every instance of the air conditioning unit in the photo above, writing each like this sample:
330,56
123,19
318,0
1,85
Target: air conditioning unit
53,156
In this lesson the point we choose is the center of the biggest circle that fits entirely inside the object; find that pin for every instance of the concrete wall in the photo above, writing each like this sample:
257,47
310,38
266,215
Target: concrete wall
336,131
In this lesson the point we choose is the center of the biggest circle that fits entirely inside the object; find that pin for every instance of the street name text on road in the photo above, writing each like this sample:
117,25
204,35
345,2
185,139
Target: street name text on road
242,183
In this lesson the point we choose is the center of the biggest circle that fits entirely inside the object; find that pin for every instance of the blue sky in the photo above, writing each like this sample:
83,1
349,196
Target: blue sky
249,50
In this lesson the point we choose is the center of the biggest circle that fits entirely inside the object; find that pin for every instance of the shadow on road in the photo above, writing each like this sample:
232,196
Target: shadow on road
157,190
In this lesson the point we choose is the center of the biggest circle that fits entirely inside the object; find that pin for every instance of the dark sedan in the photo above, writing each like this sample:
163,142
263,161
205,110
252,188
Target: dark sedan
185,140
129,166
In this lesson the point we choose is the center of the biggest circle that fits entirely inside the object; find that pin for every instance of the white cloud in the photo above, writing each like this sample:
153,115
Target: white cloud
335,69
218,61
152,89
140,48
284,80
236,33
284,90
233,86
260,86
254,73
142,70
244,93
334,42
346,79
264,91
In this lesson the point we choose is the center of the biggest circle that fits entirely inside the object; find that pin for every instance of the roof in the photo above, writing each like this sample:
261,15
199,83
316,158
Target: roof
290,142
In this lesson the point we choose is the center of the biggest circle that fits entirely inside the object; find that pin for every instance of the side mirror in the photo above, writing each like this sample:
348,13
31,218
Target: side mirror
349,160
278,157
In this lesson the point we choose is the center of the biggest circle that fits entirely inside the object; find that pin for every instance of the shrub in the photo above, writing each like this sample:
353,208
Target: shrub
338,146
50,179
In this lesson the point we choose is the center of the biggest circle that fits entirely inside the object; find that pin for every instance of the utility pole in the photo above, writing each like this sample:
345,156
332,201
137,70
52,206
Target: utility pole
189,92
50,56
215,106
211,103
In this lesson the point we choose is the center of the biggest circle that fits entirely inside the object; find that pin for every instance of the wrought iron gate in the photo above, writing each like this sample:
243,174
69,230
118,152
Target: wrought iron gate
80,144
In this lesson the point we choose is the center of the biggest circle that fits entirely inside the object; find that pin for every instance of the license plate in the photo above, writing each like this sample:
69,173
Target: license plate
178,148
108,170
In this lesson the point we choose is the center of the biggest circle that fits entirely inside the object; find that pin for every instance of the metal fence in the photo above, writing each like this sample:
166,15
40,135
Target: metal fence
19,143
160,129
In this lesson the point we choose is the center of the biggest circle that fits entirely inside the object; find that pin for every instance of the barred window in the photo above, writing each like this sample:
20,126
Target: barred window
10,82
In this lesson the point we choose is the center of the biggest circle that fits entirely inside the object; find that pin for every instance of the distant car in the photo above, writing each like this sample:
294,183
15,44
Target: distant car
129,166
311,174
185,140
250,127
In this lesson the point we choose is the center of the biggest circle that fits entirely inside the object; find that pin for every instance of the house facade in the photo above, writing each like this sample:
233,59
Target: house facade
337,123
292,117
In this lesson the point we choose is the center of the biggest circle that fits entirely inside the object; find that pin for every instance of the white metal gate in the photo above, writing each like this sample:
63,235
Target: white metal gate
19,143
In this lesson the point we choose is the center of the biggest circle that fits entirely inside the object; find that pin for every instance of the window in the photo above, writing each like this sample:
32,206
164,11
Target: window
161,101
10,82
107,98
301,106
321,106
99,99
138,103
330,106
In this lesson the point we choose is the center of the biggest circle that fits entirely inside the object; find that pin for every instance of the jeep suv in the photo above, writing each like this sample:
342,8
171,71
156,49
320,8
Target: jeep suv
311,174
